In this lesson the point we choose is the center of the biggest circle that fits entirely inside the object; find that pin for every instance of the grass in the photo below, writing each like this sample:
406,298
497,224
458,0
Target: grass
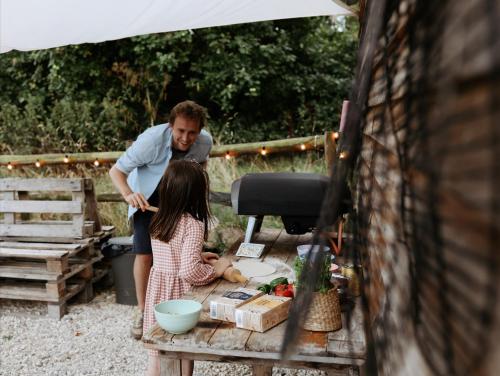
222,173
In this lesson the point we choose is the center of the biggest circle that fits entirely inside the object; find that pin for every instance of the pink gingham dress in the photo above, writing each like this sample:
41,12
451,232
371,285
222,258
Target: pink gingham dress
177,266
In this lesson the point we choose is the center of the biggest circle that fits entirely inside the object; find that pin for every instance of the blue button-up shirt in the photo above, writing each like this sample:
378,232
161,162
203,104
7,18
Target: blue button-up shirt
147,158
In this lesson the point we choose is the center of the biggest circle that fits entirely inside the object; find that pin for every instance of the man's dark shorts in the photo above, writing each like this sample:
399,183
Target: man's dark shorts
141,221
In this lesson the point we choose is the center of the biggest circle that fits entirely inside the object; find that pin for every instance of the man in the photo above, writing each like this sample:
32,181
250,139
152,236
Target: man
138,172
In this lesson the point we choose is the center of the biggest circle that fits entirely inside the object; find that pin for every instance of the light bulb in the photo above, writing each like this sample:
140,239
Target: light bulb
9,166
303,147
228,156
96,162
37,163
66,159
263,151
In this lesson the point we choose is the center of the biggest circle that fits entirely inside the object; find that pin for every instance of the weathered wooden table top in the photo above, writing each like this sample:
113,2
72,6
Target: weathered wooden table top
223,339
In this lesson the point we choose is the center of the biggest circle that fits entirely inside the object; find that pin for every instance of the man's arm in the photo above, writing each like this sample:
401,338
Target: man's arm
134,199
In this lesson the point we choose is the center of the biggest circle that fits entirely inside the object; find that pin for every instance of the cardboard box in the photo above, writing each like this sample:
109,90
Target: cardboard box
263,313
222,308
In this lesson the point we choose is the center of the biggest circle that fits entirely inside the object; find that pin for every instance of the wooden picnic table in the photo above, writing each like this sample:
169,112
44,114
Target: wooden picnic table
338,353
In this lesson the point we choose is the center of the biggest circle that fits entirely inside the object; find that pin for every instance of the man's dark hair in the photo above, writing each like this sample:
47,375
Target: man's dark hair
189,110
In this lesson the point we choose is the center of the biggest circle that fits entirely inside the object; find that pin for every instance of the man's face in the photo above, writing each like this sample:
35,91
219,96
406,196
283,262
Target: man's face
184,133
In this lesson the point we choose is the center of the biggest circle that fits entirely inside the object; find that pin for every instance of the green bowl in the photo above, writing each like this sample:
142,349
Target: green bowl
178,316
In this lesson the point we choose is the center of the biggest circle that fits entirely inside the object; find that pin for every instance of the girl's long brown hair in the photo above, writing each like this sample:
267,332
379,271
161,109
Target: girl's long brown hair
184,188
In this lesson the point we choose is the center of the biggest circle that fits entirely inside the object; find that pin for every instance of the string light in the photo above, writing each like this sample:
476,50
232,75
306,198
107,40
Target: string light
336,135
228,155
343,155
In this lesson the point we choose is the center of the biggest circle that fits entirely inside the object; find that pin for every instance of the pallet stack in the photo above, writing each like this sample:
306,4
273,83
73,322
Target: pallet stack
50,237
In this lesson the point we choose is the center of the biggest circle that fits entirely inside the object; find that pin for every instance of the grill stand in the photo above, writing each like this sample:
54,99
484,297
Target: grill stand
253,226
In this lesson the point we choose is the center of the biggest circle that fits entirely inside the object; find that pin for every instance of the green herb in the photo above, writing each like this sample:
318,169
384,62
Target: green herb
323,283
264,288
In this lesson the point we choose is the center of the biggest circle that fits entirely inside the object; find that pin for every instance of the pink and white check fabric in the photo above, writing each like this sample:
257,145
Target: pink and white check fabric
177,266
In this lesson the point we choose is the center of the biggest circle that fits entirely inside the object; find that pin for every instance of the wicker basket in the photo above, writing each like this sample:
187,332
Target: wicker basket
324,312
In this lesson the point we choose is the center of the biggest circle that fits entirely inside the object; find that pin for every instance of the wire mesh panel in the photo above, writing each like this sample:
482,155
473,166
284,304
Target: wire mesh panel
421,150
428,186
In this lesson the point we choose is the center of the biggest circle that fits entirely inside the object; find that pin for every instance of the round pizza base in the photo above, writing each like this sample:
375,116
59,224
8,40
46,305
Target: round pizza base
252,268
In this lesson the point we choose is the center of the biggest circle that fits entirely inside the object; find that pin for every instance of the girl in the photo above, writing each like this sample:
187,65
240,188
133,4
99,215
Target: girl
177,234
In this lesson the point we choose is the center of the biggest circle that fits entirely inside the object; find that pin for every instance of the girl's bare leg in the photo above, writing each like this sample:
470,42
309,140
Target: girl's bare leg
153,366
187,367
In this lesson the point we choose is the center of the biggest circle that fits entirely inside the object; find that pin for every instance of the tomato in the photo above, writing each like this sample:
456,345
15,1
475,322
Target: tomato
278,281
284,290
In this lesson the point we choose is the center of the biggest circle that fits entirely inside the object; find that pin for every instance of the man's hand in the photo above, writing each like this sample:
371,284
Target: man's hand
119,179
209,257
137,200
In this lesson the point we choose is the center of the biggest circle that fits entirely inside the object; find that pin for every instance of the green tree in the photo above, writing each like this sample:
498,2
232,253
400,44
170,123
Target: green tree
259,81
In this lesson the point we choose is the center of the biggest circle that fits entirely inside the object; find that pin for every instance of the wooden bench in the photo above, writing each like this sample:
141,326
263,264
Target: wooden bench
338,353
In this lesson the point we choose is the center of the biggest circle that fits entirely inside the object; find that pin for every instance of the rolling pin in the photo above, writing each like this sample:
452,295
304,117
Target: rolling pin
234,275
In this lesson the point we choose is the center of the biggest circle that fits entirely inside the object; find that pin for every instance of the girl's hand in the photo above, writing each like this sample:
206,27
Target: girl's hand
221,265
209,257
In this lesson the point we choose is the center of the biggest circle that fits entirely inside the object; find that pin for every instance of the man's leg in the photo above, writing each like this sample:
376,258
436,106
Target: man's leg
142,266
142,263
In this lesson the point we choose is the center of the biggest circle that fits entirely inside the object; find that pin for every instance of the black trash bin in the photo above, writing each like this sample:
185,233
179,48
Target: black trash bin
122,263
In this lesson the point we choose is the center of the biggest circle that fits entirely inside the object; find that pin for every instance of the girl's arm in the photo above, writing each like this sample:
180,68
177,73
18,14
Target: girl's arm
193,270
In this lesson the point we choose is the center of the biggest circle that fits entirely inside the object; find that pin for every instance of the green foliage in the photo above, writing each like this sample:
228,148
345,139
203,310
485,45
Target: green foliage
259,81
323,284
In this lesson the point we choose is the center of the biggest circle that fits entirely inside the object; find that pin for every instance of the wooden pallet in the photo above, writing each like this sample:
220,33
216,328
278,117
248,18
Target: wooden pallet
17,204
54,261
97,237
25,280
80,250
57,255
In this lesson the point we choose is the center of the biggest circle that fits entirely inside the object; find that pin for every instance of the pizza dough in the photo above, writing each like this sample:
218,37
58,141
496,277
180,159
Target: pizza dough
252,268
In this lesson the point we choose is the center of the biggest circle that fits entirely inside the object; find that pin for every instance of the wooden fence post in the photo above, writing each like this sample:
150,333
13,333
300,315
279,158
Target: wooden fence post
330,151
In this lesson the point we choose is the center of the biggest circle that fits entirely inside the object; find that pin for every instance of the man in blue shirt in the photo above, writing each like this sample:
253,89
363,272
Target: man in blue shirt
139,170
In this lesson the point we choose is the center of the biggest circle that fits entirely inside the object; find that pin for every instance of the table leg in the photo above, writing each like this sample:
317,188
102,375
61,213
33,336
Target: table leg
344,372
259,370
170,367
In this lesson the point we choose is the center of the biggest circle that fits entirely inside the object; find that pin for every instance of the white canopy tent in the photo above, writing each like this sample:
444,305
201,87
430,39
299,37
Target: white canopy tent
38,24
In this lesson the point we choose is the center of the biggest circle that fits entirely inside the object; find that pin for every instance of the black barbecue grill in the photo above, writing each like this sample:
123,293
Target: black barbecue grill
295,197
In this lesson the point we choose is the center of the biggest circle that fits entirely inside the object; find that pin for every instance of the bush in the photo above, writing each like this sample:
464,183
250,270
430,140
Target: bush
259,81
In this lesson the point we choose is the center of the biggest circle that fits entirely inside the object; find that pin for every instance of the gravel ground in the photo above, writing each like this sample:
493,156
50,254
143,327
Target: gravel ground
92,339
